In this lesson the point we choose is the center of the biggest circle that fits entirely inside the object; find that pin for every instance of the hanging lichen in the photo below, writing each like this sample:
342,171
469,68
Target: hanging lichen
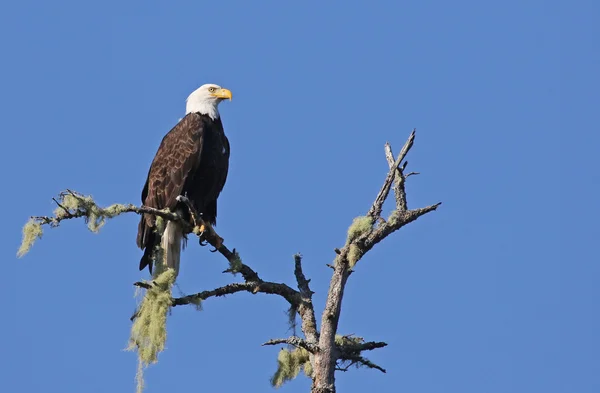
289,364
31,232
149,330
71,205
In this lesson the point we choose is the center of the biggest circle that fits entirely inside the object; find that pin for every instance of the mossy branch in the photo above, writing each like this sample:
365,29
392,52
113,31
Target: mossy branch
294,341
70,205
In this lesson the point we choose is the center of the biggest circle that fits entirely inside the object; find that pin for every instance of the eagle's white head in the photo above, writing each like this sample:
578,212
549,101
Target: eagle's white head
206,99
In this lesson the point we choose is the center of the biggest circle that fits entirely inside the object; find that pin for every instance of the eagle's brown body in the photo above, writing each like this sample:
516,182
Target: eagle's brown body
192,160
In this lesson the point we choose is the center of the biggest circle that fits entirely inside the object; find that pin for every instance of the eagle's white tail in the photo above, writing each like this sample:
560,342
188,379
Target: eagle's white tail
171,244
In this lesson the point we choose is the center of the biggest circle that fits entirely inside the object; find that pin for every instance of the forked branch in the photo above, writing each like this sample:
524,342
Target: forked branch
364,233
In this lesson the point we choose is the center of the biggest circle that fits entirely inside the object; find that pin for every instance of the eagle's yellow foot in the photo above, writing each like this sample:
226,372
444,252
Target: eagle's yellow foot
206,232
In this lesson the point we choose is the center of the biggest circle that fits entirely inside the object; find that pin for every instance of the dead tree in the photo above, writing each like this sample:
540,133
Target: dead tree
319,352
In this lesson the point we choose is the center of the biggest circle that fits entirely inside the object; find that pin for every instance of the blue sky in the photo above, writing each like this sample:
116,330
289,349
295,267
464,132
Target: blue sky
495,292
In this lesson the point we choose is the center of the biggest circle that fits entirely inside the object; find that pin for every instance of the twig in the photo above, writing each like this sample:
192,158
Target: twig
142,285
355,360
367,363
62,207
371,345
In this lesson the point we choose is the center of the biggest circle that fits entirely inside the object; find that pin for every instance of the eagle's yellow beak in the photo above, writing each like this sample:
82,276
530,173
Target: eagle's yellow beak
222,93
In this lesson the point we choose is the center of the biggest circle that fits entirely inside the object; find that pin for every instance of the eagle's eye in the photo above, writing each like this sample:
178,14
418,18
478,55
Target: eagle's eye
211,89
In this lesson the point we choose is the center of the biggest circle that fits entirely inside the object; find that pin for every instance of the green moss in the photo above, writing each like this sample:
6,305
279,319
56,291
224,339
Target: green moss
31,232
360,225
149,330
289,364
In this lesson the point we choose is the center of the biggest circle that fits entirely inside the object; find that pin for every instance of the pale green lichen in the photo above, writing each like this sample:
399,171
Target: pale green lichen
289,364
346,341
360,225
354,255
149,330
159,224
158,261
31,232
393,218
139,377
197,302
71,205
308,369
95,216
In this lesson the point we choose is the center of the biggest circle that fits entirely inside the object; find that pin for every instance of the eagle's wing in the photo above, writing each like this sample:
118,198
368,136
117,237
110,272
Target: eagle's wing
211,208
178,155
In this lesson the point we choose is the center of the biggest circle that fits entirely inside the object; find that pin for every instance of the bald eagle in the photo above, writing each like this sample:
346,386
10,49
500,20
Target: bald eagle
192,160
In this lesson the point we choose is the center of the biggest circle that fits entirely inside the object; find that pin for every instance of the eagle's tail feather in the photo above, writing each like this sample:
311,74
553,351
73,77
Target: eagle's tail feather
172,240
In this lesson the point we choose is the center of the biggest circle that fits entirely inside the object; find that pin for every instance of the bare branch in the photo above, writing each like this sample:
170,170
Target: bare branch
253,287
301,278
358,361
399,191
385,189
295,341
305,307
367,363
